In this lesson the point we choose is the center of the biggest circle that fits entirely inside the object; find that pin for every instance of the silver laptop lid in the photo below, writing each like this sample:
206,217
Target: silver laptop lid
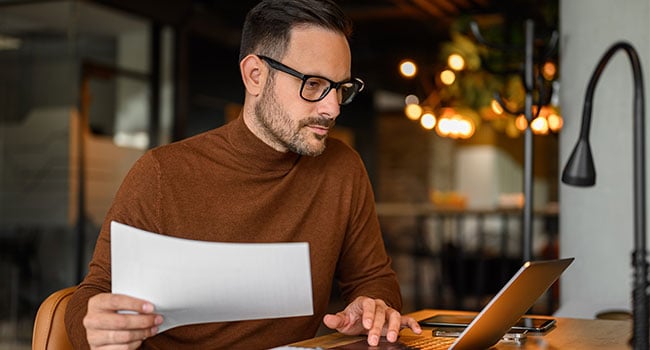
510,303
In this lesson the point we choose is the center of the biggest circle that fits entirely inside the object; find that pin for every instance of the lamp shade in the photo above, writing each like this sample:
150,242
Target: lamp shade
579,170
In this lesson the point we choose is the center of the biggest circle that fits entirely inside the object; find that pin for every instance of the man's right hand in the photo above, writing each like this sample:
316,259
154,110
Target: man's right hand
108,329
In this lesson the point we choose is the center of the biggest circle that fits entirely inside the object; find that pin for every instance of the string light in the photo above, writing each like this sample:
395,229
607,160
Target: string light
455,127
521,123
447,77
456,62
413,111
555,122
496,107
411,100
408,68
548,70
428,120
539,126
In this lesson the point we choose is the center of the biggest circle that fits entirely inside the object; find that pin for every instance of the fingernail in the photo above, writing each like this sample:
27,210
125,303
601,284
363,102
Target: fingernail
373,340
154,331
391,336
158,320
146,307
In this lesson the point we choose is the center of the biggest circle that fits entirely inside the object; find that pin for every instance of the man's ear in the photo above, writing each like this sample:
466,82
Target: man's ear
253,74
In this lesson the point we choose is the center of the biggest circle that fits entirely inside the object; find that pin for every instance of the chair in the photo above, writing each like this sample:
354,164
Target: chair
49,325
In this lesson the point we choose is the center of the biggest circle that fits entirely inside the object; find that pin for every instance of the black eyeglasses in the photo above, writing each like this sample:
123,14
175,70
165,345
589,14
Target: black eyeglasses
315,88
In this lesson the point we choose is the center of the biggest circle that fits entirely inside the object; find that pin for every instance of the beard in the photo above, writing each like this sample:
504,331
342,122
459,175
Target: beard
281,129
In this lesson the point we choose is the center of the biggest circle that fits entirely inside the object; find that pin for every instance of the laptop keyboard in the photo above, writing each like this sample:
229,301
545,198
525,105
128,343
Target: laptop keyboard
404,343
428,343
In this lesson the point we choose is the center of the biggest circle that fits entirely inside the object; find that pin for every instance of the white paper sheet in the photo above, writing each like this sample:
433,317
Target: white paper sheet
195,281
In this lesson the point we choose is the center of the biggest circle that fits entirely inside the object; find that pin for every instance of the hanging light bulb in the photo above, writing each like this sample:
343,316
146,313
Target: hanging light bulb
465,128
408,68
539,126
413,111
411,99
444,127
447,76
456,62
428,120
548,70
496,107
555,122
455,126
521,123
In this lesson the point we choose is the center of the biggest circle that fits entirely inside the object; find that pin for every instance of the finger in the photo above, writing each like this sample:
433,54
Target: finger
116,321
114,302
377,325
368,313
130,346
333,321
411,323
119,337
394,324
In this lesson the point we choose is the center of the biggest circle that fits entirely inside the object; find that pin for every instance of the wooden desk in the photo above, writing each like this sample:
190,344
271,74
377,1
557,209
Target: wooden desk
569,333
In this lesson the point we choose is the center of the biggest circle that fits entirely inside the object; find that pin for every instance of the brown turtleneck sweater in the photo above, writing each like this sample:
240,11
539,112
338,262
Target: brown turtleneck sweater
226,185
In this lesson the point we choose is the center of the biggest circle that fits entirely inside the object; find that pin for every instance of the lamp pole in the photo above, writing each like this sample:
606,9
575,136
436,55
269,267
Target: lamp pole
529,84
580,171
530,114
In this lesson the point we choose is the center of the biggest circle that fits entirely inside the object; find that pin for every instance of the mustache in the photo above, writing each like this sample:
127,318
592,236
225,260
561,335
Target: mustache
324,122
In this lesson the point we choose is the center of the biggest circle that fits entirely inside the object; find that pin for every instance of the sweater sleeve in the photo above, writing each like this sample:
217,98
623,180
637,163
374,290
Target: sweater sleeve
136,203
364,268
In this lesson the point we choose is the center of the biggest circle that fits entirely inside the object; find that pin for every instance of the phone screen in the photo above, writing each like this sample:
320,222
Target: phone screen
528,323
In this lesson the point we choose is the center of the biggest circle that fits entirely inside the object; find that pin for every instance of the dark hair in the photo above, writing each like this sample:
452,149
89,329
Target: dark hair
268,25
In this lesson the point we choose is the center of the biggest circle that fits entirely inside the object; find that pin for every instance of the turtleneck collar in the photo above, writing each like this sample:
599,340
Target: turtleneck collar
254,152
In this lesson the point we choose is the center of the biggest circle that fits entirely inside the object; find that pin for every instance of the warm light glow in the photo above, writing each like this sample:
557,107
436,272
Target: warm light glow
465,129
521,123
555,122
496,107
428,120
539,126
456,62
444,127
548,70
408,68
413,111
412,100
455,127
447,77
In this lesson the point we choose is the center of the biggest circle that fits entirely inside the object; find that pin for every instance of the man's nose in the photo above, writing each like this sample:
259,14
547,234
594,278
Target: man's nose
329,106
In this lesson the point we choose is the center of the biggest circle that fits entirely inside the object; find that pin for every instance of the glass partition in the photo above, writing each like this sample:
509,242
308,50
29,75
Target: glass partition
75,113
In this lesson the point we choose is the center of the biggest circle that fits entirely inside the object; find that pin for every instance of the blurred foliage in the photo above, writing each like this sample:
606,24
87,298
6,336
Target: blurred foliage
489,70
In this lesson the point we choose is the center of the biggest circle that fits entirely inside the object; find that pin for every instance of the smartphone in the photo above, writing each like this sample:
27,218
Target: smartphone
531,324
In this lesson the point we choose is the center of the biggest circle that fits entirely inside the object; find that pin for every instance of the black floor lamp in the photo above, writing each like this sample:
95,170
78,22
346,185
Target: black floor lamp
580,171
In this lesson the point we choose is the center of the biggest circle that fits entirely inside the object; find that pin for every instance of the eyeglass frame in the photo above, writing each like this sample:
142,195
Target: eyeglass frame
304,77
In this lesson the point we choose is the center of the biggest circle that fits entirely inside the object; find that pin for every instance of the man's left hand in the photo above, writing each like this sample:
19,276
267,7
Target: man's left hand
371,316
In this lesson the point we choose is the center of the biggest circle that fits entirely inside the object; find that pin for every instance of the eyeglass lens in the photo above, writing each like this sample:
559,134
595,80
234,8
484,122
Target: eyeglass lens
316,88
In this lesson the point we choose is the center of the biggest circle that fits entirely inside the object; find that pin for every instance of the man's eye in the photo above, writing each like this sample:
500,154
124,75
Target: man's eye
314,84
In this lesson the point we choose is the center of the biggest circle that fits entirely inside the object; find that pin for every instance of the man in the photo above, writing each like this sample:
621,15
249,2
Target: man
265,177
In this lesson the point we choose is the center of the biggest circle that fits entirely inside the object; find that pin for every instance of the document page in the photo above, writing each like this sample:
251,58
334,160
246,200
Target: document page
192,281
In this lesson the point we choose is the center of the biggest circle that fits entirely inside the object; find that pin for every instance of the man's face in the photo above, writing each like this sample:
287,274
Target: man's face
288,121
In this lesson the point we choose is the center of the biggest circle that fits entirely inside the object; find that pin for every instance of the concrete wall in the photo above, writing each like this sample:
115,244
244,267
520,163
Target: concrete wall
596,222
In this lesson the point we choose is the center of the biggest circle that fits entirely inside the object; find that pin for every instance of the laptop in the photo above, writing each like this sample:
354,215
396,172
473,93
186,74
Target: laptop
496,318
